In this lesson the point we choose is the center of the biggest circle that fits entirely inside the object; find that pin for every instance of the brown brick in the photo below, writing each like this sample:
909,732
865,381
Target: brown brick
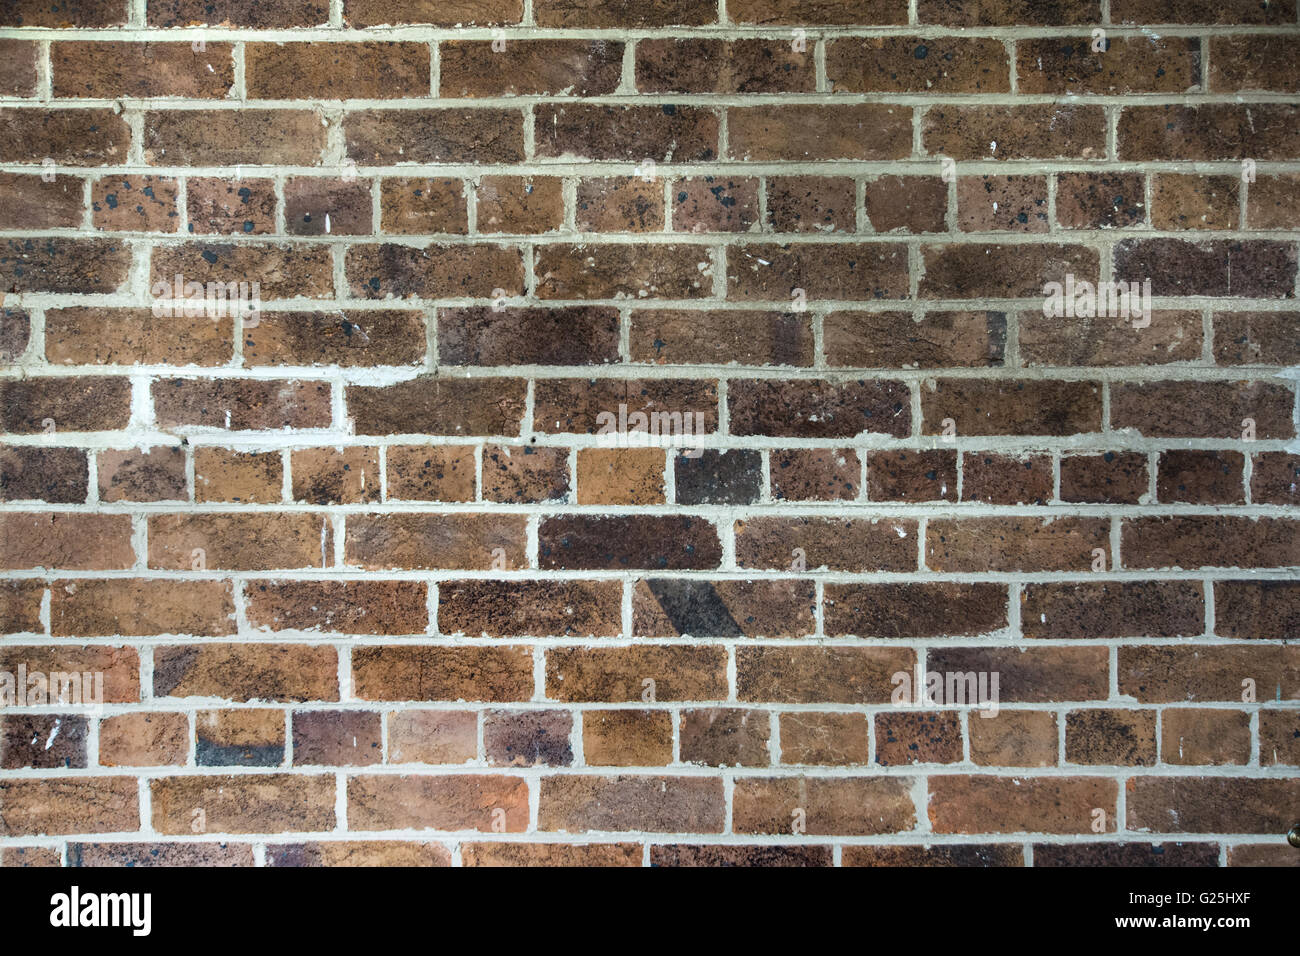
344,607
623,13
42,741
675,607
1195,202
1180,267
942,855
1182,675
422,541
974,804
1254,62
930,65
143,474
1274,202
240,13
863,131
819,408
1015,544
239,738
678,65
926,475
352,853
537,608
337,738
672,408
851,806
1001,407
907,203
432,736
18,75
725,737
224,474
1279,737
1275,479
1170,337
528,738
119,665
608,542
520,204
903,738
1030,675
1125,65
715,204
620,476
608,271
1203,409
134,203
837,544
238,542
578,804
824,739
419,206
627,738
453,135
384,270
336,71
140,608
1100,200
58,806
1126,738
145,70
244,672
348,475
973,270
466,802
1014,132
550,854
1257,609
1126,854
228,137
631,674
815,474
442,13
230,207
897,340
318,207
529,68
438,406
811,204
60,265
70,137
1257,338
261,803
30,856
1112,609
707,337
353,338
20,606
713,476
1201,477
29,202
144,740
74,541
1002,204
972,13
488,335
1110,478
1211,804
732,855
56,475
1212,131
282,271
819,675
1271,854
101,336
431,473
914,610
1014,738
1203,736
442,673
629,133
1205,11
1006,479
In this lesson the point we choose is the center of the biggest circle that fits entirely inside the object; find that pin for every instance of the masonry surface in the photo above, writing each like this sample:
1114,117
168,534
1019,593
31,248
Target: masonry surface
365,577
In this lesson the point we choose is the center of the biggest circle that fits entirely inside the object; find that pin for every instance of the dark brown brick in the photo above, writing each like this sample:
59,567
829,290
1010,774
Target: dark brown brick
1125,65
529,68
1015,544
439,406
1109,478
56,475
1200,477
927,65
818,408
1006,479
864,131
1025,407
579,335
678,65
147,70
1112,609
628,133
1014,132
452,135
603,542
336,71
837,544
915,610
926,475
1202,409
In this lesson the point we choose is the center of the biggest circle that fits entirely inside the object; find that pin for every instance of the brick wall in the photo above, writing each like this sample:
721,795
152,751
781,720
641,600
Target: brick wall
365,576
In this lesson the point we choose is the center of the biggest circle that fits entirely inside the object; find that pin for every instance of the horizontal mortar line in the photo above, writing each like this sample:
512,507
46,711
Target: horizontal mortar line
543,166
417,32
191,706
722,100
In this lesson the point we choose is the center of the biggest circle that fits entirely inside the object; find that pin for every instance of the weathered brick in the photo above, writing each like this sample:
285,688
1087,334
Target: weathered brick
578,804
70,137
906,738
671,607
926,475
1100,200
442,673
442,13
1195,202
914,610
226,207
608,271
1016,544
238,542
1112,609
239,738
907,203
627,738
1273,202
142,474
628,133
1014,132
865,131
620,476
423,541
450,135
857,806
837,544
351,853
43,741
1182,675
1030,675
623,204
613,542
529,68
102,70
80,542
1015,407
1267,610
528,738
430,473
439,406
1113,737
629,674
318,207
144,740
1203,736
1169,337
1201,477
917,65
348,475
976,804
520,204
483,335
345,607
18,74
708,337
819,675
1014,738
336,71
225,474
1006,479
1125,65
1210,804
140,608
974,270
549,855
468,802
1203,409
1257,338
1212,131
337,738
29,202
824,739
100,336
119,665
261,803
387,270
227,137
282,271
419,206
244,672
819,408
241,13
64,265
537,608
815,474
432,736
1109,478
56,475
1002,204
59,806
679,65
